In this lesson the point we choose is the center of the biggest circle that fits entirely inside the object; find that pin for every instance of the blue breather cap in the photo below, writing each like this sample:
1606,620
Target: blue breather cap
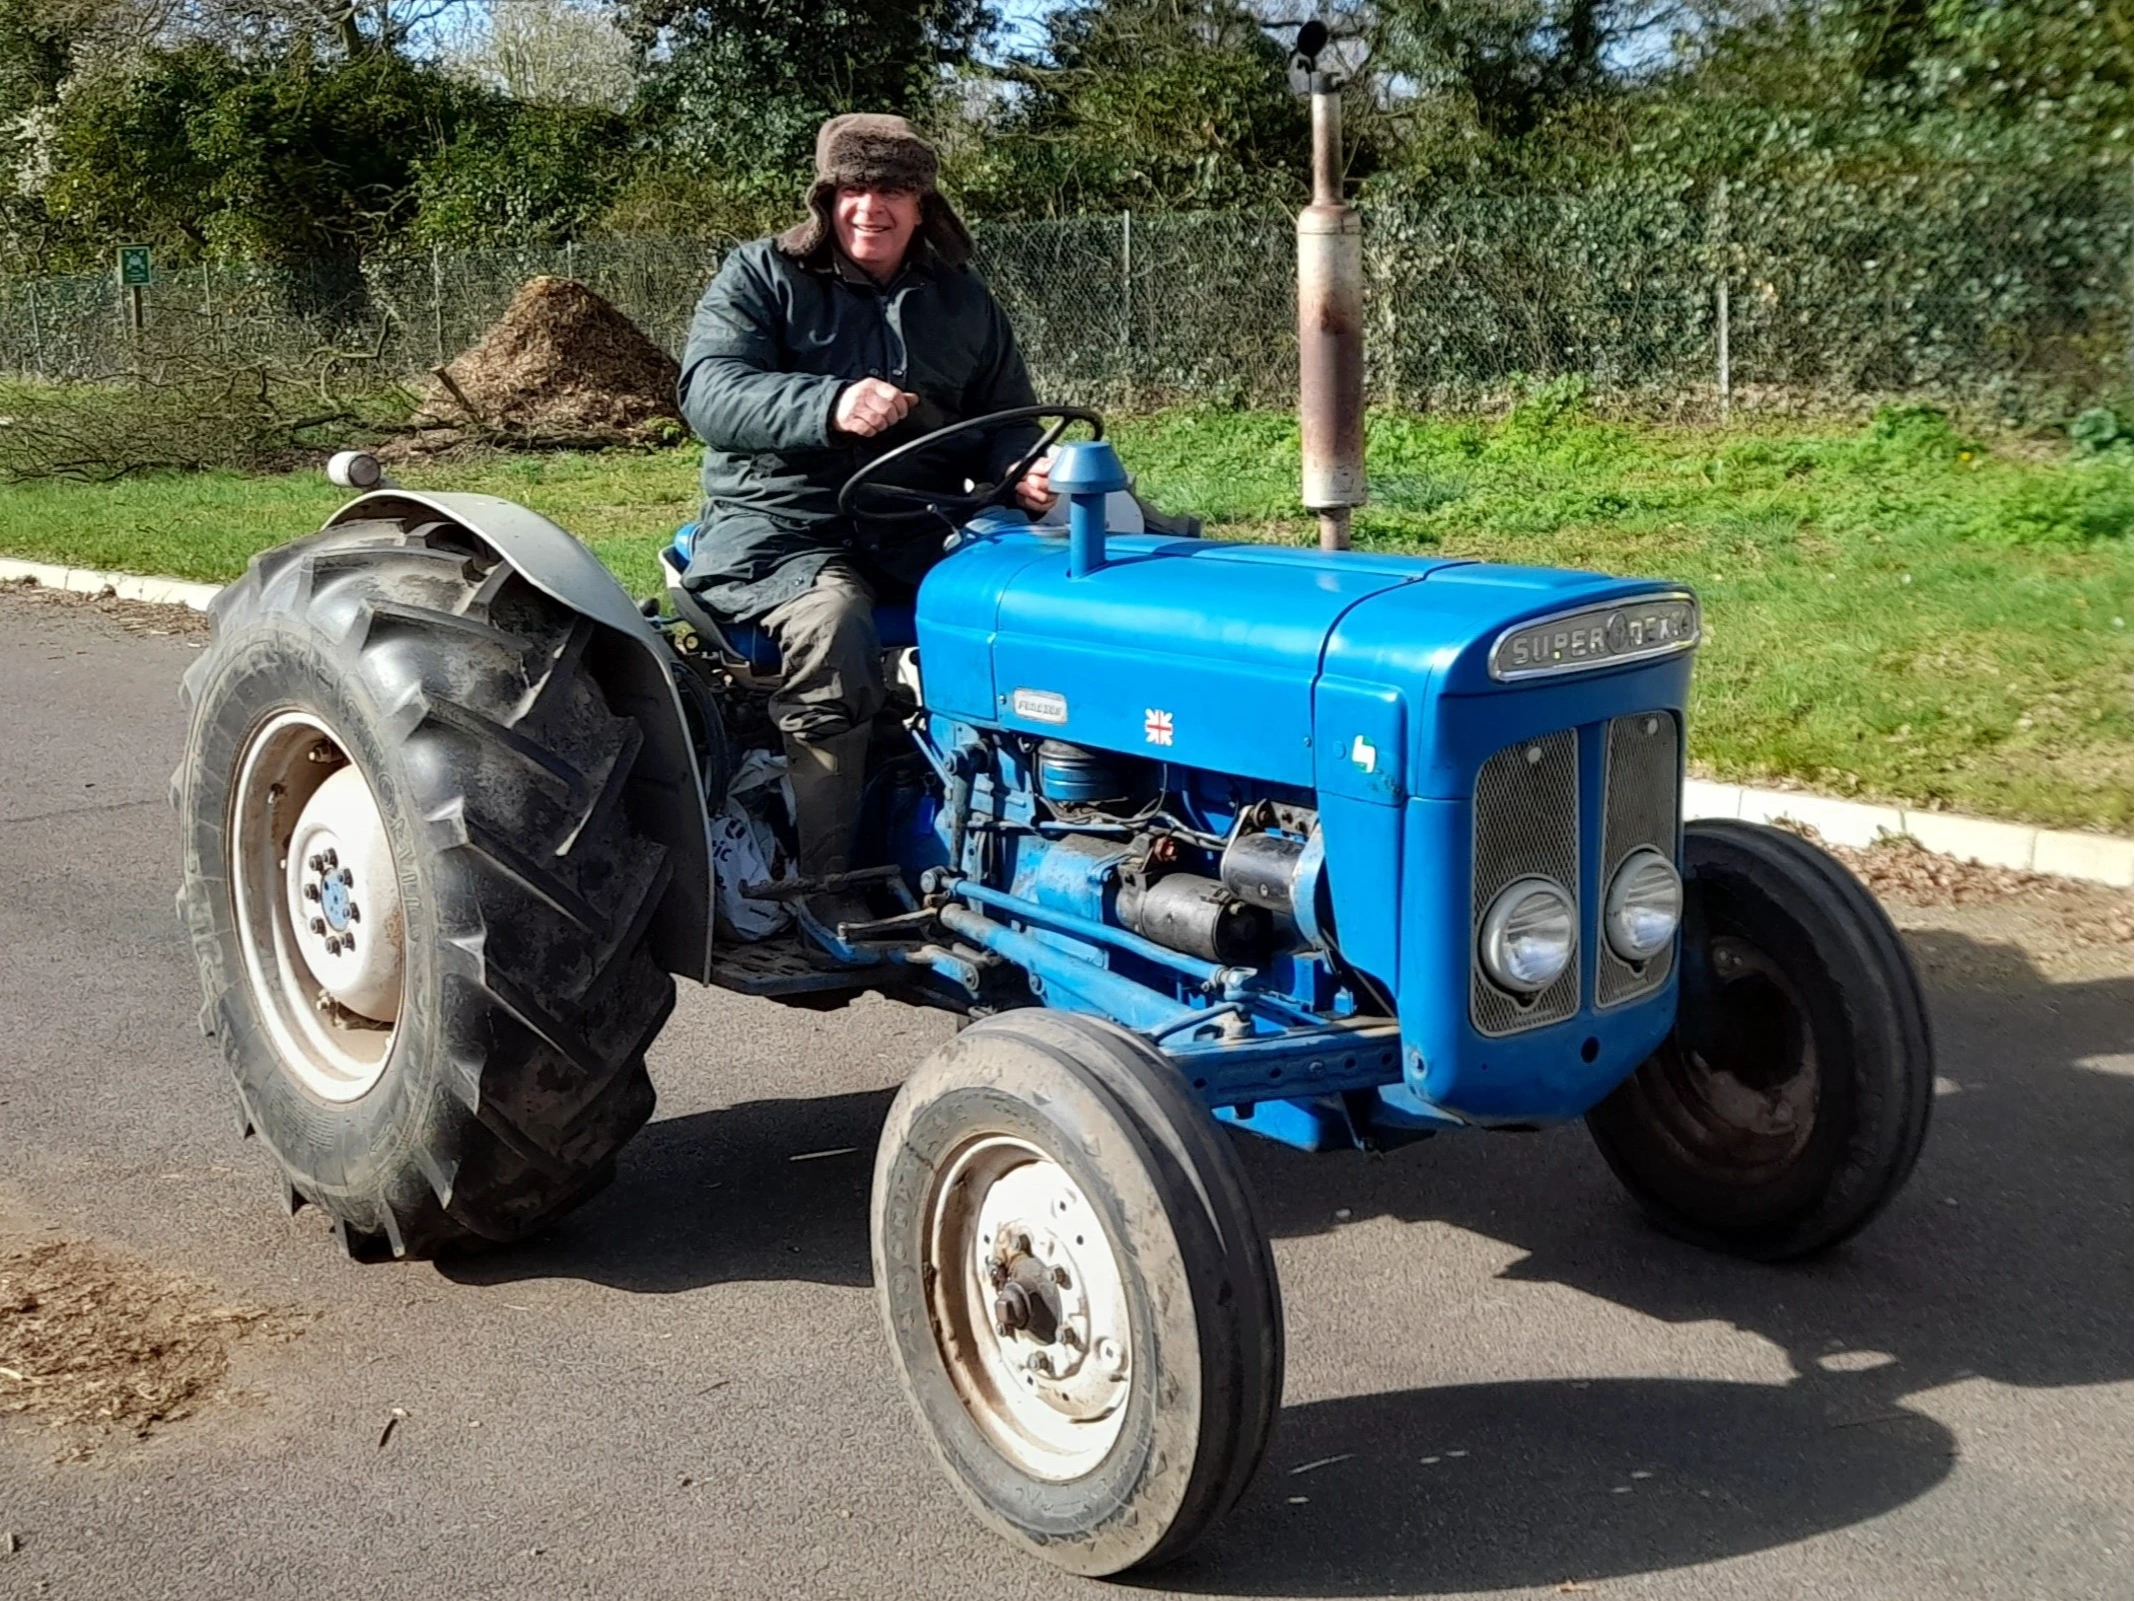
1087,467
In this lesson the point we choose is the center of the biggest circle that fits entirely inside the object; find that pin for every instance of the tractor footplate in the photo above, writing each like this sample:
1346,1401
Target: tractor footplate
780,966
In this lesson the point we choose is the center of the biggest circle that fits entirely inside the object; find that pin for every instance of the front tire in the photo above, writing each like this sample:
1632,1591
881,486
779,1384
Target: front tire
418,904
1792,1099
1081,1304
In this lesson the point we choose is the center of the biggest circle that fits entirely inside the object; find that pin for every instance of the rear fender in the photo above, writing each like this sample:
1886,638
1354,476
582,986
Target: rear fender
666,792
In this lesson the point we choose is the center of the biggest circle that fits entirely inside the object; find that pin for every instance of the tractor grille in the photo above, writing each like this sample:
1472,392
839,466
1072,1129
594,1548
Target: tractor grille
1642,806
1526,821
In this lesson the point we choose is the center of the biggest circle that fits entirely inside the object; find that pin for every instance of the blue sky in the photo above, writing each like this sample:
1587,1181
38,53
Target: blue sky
1020,21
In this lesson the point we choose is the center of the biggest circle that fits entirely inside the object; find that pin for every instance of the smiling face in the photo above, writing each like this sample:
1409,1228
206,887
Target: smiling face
875,227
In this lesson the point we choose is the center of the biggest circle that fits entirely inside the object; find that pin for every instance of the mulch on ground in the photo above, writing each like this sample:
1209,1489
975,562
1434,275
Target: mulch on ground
94,1341
561,368
1899,868
133,616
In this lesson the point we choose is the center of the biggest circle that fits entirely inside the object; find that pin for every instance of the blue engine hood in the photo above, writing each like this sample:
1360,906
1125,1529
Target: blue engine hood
1194,652
1266,662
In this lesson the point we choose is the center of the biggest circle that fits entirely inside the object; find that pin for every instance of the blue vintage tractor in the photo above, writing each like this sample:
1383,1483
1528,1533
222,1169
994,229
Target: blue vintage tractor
1340,850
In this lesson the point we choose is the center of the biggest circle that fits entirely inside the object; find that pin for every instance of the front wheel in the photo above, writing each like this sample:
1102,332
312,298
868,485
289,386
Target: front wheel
1792,1099
1080,1302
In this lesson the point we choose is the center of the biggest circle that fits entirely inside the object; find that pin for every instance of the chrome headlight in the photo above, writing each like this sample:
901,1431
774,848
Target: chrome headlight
1644,906
1528,936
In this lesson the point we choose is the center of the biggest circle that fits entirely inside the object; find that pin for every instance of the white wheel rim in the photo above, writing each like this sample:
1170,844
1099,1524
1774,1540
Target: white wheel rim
1005,1219
317,901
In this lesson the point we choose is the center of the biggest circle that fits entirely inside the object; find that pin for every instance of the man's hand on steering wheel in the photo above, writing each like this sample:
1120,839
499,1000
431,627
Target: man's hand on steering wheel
869,407
1033,491
1026,483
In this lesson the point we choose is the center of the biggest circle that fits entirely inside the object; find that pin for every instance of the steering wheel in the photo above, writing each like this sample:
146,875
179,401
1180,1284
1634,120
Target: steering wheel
898,505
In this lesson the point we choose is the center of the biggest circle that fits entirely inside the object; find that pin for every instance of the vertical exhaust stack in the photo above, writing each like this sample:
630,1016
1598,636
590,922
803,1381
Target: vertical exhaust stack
1330,315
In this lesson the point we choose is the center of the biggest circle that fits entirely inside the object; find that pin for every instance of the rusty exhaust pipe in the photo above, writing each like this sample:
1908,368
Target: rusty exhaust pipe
1330,316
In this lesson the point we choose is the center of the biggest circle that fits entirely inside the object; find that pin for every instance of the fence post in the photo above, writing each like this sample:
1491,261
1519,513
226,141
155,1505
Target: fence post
437,301
36,330
1126,280
1720,306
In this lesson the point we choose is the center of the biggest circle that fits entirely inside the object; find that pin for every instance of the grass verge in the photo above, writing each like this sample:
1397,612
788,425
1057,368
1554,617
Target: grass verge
1894,612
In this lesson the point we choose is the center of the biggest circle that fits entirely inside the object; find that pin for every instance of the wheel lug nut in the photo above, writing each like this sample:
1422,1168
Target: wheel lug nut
1011,1309
1041,1364
318,925
316,862
333,946
311,892
331,859
1060,1277
353,913
348,875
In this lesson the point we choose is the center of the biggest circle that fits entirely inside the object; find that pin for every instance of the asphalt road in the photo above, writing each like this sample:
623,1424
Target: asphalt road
1499,1381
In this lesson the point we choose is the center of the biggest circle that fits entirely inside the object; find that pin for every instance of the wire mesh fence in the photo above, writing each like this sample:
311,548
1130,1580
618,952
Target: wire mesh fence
1665,305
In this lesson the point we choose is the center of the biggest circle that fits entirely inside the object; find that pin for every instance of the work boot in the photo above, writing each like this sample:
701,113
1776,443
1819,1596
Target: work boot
827,772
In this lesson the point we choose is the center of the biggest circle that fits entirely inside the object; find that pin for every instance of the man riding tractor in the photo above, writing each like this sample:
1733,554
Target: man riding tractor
812,353
1342,850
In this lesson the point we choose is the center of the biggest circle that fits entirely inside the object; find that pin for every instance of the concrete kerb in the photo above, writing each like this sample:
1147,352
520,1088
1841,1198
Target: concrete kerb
127,586
2100,858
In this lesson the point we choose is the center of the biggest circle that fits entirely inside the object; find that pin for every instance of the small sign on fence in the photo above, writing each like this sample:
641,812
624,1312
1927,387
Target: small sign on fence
133,278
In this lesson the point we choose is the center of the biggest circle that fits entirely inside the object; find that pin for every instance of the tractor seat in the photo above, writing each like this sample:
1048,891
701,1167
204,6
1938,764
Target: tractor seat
751,644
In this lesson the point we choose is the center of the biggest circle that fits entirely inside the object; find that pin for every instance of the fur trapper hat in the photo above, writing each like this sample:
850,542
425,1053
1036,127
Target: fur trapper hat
868,149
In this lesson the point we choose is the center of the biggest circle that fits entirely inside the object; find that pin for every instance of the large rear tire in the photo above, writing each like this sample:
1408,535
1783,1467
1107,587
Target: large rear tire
418,903
1792,1100
1081,1304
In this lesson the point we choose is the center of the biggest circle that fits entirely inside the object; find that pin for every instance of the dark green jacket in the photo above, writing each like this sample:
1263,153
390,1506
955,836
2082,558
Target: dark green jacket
773,342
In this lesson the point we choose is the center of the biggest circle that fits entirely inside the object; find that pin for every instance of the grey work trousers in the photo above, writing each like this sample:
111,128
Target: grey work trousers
830,659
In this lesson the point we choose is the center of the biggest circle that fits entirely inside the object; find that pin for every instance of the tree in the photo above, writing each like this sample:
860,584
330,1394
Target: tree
1503,68
740,86
44,42
2037,88
201,153
263,29
1145,104
521,174
549,52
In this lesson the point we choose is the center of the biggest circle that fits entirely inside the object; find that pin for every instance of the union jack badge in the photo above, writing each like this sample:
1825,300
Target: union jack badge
1157,726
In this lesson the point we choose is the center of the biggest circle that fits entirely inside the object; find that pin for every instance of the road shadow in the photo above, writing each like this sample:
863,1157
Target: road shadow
773,1189
1520,1485
2007,1256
